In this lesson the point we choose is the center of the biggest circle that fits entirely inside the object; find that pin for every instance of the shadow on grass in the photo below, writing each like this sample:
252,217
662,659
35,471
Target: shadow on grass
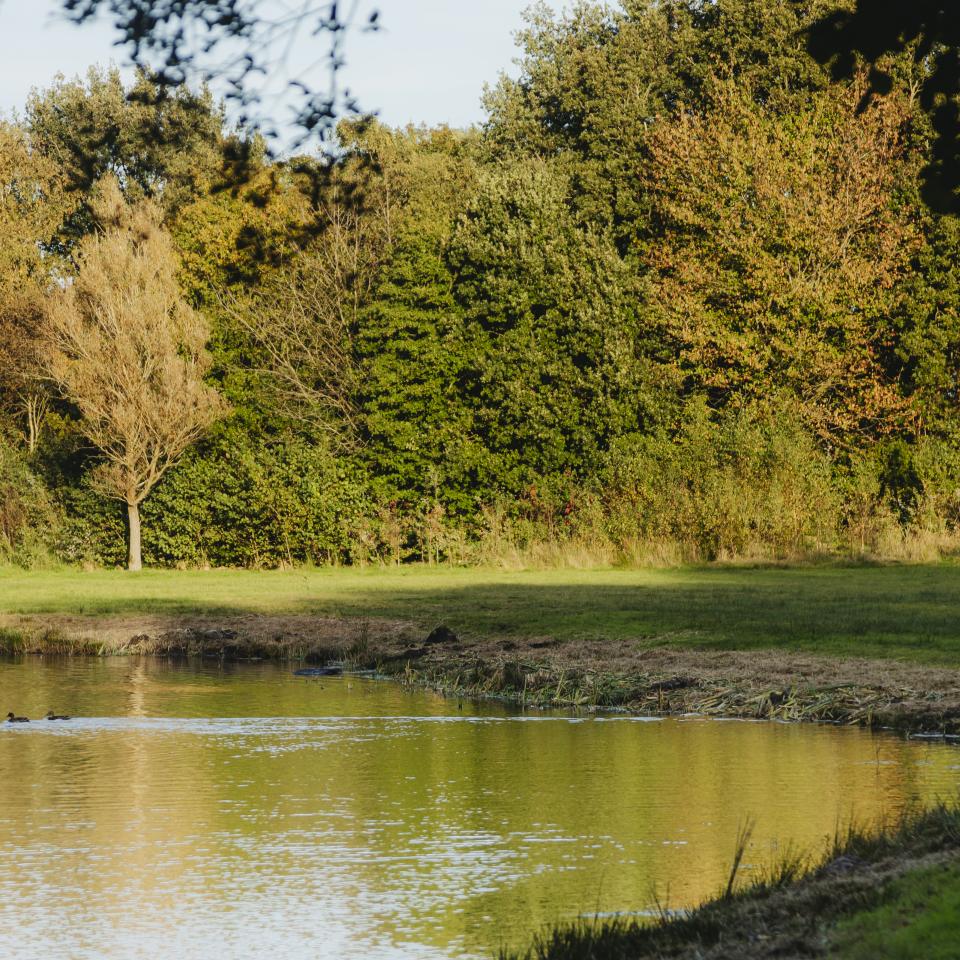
908,612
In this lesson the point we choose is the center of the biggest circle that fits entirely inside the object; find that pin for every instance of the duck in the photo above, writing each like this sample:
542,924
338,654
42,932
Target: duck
55,716
13,719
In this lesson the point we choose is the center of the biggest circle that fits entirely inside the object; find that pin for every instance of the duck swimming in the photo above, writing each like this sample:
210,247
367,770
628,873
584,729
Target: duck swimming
12,719
55,716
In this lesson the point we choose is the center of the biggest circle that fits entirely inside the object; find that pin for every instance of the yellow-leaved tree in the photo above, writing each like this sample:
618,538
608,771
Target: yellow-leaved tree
129,352
33,203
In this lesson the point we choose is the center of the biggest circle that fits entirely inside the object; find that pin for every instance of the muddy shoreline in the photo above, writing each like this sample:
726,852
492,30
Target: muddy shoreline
536,671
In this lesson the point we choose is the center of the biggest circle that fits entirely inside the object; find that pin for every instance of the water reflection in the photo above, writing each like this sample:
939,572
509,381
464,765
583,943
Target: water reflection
232,811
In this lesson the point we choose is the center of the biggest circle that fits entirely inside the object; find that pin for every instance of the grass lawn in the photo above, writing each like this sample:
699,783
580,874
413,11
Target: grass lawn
910,612
920,919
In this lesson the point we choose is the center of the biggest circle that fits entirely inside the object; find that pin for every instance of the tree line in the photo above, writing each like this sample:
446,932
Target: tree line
681,296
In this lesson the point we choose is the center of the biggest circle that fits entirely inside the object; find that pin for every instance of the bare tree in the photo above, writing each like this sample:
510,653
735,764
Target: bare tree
304,318
128,351
23,392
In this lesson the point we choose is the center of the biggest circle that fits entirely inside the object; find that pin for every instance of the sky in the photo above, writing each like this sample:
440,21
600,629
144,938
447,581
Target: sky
427,64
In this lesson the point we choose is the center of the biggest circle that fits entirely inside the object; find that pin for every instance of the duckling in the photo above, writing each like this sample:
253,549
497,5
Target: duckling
55,716
12,719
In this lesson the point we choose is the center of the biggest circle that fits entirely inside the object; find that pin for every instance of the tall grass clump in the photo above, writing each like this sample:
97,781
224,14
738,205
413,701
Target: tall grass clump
788,911
747,484
742,485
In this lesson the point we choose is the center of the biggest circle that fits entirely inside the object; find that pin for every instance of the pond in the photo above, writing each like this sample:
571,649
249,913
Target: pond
209,810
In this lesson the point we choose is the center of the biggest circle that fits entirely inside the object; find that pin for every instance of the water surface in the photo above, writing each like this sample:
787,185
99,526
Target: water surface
207,810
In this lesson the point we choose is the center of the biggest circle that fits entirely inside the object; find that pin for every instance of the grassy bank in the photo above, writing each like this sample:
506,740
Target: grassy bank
907,612
869,645
872,645
894,895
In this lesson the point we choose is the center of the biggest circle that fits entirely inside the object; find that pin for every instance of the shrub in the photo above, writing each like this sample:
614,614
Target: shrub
725,485
29,519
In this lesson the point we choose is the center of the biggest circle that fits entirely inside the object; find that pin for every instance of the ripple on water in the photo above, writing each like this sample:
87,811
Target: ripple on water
209,813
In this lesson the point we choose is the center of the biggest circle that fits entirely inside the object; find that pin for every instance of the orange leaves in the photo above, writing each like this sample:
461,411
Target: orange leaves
777,242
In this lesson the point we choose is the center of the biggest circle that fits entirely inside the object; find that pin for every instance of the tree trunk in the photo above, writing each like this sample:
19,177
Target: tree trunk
35,408
134,561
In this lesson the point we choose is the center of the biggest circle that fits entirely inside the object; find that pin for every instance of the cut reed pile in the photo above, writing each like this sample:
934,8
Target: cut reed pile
598,673
542,684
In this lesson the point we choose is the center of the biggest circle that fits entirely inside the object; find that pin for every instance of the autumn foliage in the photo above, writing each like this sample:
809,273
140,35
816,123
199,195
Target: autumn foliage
679,297
126,350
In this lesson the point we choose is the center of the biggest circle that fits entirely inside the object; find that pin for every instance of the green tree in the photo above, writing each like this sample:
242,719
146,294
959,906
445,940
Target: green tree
593,81
559,359
927,326
160,143
409,350
407,344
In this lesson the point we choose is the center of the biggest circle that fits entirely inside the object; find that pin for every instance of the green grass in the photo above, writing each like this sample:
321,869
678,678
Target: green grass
909,612
921,918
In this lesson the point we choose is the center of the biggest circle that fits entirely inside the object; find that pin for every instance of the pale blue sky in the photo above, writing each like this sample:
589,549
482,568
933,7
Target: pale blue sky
428,64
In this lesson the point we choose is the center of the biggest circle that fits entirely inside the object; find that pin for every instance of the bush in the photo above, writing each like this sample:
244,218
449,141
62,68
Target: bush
232,503
741,483
29,519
